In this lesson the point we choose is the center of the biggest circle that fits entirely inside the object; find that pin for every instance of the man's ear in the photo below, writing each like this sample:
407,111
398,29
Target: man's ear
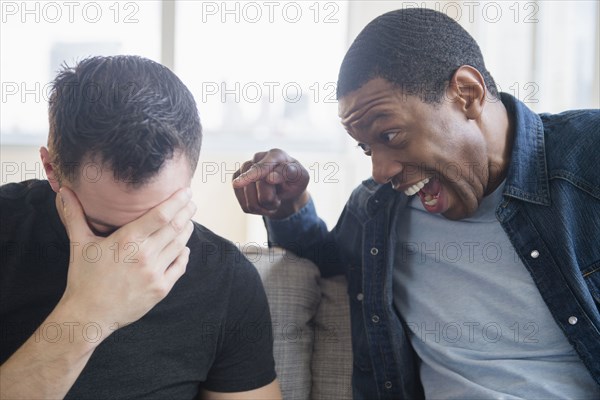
467,88
49,168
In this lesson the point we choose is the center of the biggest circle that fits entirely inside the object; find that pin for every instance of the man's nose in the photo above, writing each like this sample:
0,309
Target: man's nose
384,166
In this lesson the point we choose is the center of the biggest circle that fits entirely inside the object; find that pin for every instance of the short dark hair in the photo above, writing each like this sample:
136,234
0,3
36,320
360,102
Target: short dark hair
128,112
417,49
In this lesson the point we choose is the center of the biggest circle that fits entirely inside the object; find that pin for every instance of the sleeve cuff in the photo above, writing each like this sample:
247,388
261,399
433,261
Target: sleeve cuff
285,230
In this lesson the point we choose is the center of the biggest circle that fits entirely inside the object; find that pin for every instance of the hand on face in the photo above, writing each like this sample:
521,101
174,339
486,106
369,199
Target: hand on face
272,184
119,278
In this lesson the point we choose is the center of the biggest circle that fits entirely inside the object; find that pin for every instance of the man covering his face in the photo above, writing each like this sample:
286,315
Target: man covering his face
109,290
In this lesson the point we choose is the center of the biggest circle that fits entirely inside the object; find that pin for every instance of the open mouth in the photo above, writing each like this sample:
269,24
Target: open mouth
416,187
430,192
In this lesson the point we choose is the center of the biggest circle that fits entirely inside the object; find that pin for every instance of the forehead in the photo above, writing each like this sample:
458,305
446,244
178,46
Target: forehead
377,99
109,202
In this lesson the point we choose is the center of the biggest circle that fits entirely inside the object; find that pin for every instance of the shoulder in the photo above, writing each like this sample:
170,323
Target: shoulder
21,203
218,258
29,192
572,140
572,121
214,248
230,285
576,131
218,277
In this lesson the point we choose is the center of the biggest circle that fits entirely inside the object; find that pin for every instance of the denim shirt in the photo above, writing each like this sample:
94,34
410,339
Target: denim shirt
550,211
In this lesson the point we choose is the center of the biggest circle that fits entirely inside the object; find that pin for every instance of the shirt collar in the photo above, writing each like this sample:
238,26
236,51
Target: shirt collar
378,195
527,177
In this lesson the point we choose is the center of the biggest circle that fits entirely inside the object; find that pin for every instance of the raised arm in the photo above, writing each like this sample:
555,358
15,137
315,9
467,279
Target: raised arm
274,185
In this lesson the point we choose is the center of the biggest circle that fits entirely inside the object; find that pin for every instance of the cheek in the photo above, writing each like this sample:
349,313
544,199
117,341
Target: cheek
466,152
459,159
87,205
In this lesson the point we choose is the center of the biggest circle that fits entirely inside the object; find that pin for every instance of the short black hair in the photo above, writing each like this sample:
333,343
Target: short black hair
417,49
129,113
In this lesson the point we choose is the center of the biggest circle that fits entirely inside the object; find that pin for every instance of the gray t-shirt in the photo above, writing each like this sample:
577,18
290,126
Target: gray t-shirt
476,319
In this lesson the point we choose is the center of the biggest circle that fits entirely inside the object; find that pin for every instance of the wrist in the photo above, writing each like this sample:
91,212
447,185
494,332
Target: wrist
70,326
290,207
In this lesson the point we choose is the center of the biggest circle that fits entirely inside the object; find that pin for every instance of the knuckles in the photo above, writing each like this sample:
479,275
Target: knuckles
253,209
142,258
181,240
159,289
269,202
177,225
259,156
247,165
162,217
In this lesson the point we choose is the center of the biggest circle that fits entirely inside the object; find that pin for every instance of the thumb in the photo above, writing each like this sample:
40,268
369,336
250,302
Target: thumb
72,215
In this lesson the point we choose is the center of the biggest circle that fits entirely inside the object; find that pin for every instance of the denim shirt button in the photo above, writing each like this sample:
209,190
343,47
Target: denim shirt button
572,320
535,254
374,251
375,318
360,297
388,384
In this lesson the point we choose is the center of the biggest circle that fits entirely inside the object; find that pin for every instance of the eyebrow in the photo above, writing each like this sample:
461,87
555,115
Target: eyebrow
367,124
370,118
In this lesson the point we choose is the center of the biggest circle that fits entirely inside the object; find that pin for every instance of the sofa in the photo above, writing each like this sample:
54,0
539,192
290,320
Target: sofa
311,326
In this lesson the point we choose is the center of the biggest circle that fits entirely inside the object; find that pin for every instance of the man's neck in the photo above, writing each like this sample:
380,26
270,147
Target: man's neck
498,126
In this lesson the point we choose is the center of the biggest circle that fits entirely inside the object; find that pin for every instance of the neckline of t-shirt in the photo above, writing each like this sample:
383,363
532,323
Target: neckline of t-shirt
486,208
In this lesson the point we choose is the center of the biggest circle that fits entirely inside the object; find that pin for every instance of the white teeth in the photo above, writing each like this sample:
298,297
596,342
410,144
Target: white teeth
431,202
416,187
411,190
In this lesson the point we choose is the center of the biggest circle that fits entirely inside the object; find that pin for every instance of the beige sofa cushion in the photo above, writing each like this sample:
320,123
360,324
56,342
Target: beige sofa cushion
332,347
311,326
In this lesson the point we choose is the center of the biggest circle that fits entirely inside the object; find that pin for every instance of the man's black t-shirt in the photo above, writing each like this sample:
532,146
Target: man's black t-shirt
212,331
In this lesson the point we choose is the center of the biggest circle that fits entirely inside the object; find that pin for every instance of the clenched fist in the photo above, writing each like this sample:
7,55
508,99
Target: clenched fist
272,184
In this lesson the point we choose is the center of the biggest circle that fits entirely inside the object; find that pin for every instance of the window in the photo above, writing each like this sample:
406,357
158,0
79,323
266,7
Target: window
545,53
38,36
263,72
